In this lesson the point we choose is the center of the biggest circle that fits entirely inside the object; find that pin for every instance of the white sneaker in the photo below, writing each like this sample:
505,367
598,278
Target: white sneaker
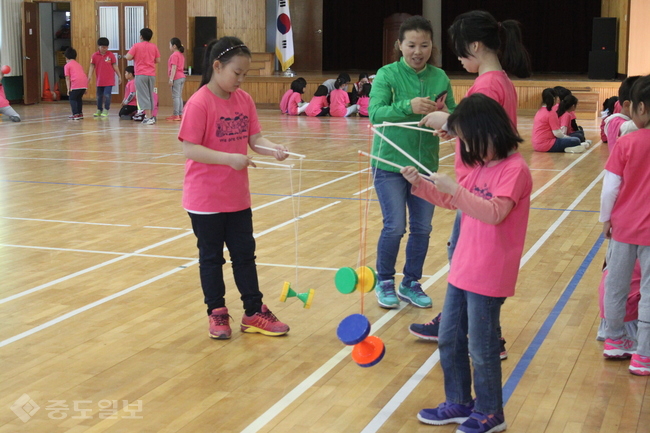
574,149
586,144
149,121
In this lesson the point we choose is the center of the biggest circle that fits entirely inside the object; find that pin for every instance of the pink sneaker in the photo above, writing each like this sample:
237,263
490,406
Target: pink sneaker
219,324
640,365
623,348
264,322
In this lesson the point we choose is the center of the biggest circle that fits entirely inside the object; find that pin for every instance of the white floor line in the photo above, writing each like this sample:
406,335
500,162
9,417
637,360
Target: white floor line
378,421
301,388
128,290
65,222
111,253
58,137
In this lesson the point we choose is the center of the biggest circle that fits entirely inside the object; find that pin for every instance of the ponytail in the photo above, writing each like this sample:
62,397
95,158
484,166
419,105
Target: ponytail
178,44
339,82
568,102
223,50
548,98
504,38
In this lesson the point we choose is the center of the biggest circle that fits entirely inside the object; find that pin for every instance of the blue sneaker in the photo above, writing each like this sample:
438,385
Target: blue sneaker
427,331
446,413
414,295
481,423
385,291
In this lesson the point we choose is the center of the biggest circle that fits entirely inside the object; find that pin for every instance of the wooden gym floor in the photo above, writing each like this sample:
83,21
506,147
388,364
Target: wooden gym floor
101,307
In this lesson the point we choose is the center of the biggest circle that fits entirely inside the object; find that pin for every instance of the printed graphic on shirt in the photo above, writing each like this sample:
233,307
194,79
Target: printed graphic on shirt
227,126
482,192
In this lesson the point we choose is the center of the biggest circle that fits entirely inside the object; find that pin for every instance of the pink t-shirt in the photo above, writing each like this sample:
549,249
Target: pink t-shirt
178,59
613,128
78,78
316,105
497,86
104,68
144,58
224,125
487,256
128,89
363,102
3,99
294,100
544,123
284,102
631,213
339,100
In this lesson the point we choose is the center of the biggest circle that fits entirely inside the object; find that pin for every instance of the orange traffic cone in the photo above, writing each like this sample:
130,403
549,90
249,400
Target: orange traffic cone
56,94
47,93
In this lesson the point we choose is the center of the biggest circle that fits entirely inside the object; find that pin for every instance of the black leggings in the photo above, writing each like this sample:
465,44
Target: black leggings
76,100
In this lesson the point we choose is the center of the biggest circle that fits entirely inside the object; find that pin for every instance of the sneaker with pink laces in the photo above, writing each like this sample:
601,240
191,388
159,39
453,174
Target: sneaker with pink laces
264,322
640,365
622,348
219,324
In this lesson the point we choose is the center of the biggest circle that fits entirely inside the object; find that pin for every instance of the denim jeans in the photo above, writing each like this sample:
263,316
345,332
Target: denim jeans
394,194
453,238
235,229
470,325
563,143
104,97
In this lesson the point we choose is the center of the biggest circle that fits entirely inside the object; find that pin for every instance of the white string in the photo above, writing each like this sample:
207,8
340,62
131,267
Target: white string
296,213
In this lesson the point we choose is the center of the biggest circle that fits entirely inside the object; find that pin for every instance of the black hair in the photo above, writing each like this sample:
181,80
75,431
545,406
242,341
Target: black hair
130,69
344,77
298,86
419,24
224,50
365,89
480,121
302,80
609,104
70,53
178,44
566,103
504,38
103,42
548,98
146,34
626,88
340,82
641,93
363,75
561,92
321,91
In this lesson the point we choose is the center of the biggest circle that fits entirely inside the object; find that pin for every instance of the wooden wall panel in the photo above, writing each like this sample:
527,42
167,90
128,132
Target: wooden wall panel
638,58
619,9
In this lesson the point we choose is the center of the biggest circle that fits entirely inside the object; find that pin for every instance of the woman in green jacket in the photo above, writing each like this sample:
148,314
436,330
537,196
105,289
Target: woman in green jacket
405,91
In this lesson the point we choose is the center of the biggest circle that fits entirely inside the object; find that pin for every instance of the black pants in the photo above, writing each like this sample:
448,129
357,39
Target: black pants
76,102
235,229
127,111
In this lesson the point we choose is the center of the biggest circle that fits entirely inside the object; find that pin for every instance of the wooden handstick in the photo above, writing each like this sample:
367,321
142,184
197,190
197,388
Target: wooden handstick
287,152
385,161
273,163
405,125
402,151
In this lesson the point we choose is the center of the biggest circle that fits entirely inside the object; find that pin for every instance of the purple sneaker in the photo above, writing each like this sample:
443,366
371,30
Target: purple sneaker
427,331
446,413
481,423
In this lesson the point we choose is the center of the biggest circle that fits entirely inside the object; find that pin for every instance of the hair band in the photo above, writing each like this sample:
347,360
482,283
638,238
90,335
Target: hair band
229,49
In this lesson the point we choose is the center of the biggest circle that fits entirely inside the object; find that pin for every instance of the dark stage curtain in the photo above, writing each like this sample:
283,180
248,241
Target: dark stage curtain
353,32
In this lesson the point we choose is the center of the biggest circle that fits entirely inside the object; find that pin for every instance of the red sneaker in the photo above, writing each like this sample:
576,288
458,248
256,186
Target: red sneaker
264,322
219,324
173,118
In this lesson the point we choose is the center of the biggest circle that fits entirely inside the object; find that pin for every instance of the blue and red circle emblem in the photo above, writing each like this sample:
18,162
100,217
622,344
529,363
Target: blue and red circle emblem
284,23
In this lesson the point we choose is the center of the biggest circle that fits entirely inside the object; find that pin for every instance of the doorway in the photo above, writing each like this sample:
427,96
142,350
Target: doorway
54,29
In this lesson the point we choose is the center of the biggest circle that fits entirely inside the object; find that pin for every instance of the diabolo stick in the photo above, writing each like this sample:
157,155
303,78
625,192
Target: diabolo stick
402,151
404,125
385,161
288,153
273,163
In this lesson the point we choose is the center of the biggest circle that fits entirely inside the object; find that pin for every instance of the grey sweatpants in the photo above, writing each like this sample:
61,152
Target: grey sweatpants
177,96
621,258
144,85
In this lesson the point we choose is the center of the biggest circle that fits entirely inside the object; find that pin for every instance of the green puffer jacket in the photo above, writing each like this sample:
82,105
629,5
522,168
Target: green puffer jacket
390,101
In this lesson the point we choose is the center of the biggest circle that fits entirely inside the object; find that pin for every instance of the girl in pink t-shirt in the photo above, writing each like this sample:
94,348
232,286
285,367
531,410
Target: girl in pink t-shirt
340,101
76,81
295,104
220,124
284,102
176,75
364,99
625,214
5,108
318,106
548,135
566,113
495,199
614,122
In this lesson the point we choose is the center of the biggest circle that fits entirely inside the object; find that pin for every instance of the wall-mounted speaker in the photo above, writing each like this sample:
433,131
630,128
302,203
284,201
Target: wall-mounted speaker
602,65
199,54
604,34
205,30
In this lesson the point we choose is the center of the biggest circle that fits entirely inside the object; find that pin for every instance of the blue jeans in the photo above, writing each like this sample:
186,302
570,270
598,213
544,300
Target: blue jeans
394,194
470,324
104,97
453,238
563,143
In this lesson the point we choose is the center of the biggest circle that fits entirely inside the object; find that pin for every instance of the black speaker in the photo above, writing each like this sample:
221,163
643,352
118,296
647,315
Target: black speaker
199,54
602,65
604,34
205,30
